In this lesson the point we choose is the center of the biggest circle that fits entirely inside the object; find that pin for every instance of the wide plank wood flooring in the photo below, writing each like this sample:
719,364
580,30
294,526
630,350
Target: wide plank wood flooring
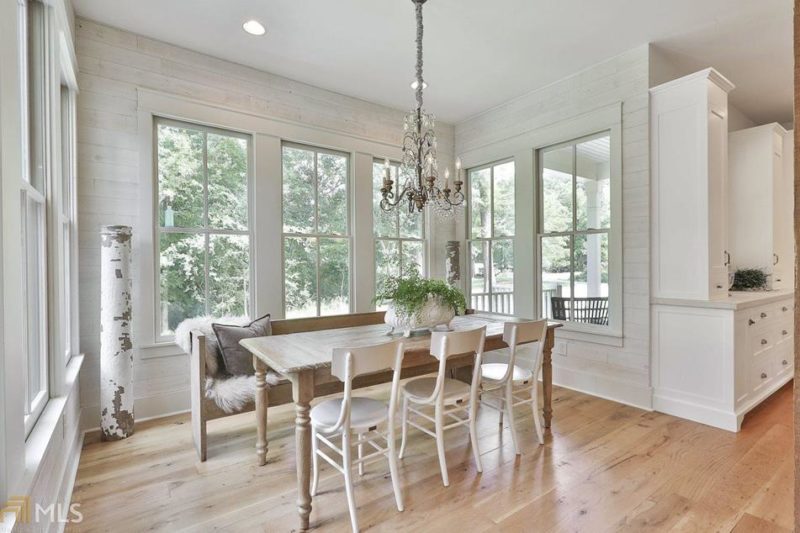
605,467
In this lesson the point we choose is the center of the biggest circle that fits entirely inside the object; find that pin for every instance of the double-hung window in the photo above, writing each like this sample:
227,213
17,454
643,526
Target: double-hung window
491,237
316,231
399,235
33,204
574,230
203,223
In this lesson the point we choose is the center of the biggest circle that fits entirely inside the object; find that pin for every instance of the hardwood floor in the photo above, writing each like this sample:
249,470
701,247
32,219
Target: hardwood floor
606,467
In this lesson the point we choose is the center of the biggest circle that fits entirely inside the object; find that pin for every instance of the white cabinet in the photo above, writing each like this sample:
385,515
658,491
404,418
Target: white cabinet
714,361
688,150
760,202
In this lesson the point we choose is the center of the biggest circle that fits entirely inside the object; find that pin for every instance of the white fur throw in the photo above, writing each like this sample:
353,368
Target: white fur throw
230,393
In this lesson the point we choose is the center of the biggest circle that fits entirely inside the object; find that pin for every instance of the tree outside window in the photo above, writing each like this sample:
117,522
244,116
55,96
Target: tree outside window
399,235
491,237
316,240
203,223
575,209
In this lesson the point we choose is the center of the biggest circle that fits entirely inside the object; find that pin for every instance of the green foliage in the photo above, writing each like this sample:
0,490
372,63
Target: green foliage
410,293
749,279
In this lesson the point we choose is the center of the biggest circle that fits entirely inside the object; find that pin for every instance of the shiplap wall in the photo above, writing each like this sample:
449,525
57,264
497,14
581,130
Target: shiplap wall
616,372
113,65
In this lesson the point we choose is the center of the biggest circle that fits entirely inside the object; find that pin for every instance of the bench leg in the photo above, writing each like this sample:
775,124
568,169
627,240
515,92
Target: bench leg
262,403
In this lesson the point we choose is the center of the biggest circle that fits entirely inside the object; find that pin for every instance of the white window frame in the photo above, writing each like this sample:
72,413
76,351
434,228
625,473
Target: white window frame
614,231
316,235
471,241
397,238
205,230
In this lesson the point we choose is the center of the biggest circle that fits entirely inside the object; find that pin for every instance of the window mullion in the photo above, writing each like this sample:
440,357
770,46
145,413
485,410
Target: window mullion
205,224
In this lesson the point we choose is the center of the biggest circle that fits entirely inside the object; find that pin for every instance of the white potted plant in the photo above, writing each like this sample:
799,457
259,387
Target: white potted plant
416,304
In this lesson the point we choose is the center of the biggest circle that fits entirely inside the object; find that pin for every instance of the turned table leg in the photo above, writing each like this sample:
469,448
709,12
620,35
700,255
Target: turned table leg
262,404
302,394
547,377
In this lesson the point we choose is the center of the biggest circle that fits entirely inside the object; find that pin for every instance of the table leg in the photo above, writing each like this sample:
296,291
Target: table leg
262,404
547,377
302,394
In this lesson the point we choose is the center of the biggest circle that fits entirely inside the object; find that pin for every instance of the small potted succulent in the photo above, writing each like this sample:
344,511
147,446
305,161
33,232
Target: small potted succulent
417,304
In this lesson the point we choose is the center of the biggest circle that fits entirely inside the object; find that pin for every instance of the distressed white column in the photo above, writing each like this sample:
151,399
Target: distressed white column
116,346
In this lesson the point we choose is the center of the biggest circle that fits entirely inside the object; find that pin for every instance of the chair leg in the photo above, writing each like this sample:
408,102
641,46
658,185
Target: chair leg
502,408
347,463
537,416
440,445
473,434
398,495
510,408
404,430
314,462
360,455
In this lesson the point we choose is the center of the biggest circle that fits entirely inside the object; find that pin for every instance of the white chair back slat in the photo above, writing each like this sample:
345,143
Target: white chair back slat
365,359
448,343
531,331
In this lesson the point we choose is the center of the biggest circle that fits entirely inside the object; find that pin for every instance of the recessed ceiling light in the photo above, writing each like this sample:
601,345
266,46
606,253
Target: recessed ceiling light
254,27
414,85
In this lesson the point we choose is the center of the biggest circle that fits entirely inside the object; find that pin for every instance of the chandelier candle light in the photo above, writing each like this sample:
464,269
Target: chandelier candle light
419,156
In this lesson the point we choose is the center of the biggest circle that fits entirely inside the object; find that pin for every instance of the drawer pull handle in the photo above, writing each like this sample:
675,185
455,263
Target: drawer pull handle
763,341
763,375
750,322
763,315
785,332
784,362
785,308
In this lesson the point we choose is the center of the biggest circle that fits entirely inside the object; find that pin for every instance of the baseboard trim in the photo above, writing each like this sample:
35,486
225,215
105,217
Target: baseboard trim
71,473
606,387
710,416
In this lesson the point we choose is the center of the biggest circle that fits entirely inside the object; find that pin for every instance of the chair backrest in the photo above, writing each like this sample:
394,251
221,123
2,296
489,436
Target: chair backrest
447,343
365,359
591,310
518,333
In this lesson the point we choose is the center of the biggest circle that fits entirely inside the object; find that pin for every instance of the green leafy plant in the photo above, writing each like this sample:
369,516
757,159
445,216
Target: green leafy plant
410,292
749,279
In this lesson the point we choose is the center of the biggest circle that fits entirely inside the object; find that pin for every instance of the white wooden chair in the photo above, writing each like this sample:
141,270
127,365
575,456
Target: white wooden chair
343,416
448,396
513,384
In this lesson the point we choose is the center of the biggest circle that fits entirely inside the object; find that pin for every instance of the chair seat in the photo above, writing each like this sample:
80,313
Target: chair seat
364,412
422,388
495,372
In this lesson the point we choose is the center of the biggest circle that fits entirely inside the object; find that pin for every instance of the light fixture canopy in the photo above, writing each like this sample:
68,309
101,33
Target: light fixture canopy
254,27
422,188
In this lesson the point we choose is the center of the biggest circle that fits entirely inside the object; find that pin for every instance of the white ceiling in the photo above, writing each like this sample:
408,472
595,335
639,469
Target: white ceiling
478,54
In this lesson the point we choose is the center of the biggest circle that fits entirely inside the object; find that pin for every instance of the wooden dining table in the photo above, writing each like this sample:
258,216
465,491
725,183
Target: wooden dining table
304,358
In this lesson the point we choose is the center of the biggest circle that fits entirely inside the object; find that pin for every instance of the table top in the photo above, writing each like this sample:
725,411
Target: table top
295,352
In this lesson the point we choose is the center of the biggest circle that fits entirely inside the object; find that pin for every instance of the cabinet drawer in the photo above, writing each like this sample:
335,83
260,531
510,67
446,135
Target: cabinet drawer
762,371
761,316
761,341
785,310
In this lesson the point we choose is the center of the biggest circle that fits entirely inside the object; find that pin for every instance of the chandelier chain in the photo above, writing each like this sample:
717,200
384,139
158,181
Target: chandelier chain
420,30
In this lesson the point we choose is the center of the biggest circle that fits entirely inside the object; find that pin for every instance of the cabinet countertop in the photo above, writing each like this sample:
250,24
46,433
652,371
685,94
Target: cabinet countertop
735,300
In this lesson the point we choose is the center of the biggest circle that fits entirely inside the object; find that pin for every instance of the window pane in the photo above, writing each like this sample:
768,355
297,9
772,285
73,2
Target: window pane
557,189
298,190
385,222
479,257
593,192
332,194
300,276
480,203
334,276
228,275
35,276
180,177
591,279
37,92
556,277
413,257
182,271
387,261
227,182
503,266
504,200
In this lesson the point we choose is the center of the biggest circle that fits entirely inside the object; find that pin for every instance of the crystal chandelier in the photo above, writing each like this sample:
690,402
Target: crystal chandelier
419,156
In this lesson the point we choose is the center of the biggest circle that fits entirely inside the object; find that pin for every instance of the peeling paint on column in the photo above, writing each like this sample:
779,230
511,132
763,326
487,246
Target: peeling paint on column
452,264
116,345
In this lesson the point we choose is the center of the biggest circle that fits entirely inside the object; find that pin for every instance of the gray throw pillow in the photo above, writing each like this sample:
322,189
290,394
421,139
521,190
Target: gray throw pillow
237,359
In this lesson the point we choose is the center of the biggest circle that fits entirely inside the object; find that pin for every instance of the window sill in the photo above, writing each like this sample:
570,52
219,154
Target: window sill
595,335
49,421
160,349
